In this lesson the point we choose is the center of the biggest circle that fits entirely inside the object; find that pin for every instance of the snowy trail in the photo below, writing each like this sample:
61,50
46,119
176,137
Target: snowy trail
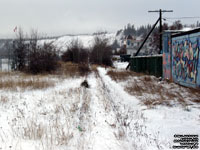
118,121
102,133
106,121
95,119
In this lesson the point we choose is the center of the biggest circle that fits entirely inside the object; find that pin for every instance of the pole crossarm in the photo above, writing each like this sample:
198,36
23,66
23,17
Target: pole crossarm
150,11
160,14
159,19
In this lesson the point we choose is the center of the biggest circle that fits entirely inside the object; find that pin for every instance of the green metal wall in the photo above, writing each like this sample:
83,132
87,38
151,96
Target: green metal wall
150,65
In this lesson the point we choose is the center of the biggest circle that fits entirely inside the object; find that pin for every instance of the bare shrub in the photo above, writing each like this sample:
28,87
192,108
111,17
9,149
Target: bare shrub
75,53
34,58
67,56
101,52
43,59
20,51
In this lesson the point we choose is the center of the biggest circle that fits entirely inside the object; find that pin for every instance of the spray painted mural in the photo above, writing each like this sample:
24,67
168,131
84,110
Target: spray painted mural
185,55
167,56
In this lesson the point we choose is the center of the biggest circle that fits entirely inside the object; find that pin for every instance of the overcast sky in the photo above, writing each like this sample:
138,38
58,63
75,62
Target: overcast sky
57,17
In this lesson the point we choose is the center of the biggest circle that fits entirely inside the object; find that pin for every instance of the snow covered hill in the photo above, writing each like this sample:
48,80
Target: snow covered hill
87,40
62,42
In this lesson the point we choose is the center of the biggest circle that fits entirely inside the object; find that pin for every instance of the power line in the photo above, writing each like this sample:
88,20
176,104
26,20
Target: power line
167,20
182,18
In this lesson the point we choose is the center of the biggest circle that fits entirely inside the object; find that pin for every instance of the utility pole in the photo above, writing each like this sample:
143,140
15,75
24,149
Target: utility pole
160,13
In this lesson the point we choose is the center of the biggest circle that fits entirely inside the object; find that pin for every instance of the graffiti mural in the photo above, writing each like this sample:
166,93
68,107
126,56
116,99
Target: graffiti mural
167,56
185,53
166,66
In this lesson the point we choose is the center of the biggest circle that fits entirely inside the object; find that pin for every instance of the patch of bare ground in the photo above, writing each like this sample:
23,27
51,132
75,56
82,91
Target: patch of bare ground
152,91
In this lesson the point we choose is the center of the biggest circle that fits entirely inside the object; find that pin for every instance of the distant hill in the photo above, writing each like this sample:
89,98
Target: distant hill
87,40
61,42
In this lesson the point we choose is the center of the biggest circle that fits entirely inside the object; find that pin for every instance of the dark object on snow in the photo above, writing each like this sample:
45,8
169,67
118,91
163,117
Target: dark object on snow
85,84
80,129
125,57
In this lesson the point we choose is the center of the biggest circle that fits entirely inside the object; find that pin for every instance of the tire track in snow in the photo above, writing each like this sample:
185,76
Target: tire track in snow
129,119
109,116
102,134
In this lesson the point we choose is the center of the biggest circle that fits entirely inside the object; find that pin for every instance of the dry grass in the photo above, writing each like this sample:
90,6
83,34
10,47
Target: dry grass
70,69
194,92
122,75
17,80
94,67
4,99
54,134
23,84
3,74
151,91
23,81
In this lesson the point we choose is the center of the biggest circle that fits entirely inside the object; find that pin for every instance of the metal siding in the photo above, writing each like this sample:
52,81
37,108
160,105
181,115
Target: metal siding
149,65
198,67
185,59
167,56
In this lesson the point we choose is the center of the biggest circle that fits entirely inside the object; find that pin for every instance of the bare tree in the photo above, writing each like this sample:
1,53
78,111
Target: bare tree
42,57
101,51
20,51
75,53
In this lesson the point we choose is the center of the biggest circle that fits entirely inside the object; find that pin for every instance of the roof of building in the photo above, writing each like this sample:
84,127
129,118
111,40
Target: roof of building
129,37
183,31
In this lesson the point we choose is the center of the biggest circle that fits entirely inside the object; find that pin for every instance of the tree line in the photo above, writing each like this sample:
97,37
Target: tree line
143,30
31,56
130,29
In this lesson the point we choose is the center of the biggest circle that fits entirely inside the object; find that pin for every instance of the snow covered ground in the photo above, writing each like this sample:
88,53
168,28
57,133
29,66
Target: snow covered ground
68,116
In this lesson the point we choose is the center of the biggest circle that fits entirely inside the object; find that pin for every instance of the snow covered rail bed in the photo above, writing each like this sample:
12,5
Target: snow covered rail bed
69,115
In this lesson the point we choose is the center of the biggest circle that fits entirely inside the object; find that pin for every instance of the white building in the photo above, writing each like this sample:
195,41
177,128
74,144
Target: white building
5,65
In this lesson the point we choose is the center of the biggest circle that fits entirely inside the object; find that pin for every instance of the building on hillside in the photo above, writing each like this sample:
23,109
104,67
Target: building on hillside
128,43
132,44
5,65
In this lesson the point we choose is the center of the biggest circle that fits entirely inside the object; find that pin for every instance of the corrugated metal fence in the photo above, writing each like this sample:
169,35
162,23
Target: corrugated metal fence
147,64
